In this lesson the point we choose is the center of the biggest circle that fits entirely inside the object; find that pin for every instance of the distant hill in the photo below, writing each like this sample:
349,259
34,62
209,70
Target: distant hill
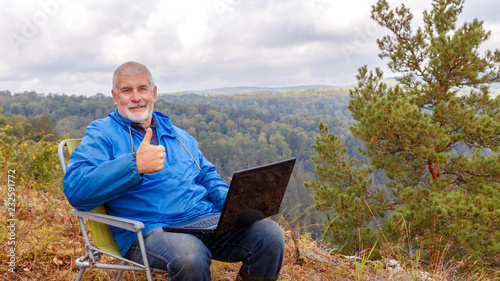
253,90
390,81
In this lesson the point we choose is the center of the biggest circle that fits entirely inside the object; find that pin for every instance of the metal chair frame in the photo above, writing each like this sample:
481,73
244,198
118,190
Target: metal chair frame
99,223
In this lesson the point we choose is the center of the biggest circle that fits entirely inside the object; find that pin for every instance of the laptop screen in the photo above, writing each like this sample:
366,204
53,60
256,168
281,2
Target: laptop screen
257,189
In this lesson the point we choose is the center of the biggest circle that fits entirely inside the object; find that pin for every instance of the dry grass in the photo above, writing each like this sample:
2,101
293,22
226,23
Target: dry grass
48,241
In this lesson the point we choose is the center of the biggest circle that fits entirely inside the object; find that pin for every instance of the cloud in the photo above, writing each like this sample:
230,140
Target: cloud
63,46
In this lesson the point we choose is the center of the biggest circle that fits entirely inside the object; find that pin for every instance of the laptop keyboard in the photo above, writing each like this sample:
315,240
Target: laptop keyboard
210,222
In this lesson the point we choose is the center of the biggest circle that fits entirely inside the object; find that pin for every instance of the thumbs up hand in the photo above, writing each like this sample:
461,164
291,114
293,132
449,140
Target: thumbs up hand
149,158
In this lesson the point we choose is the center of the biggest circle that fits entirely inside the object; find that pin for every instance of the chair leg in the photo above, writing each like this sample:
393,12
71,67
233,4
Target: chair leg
119,276
80,274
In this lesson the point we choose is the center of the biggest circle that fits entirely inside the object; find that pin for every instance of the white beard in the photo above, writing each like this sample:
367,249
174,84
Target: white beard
139,117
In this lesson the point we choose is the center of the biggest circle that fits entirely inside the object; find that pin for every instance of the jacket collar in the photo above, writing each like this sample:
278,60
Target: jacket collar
164,125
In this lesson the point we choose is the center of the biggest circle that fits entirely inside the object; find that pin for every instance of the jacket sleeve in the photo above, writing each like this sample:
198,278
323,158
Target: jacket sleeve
209,178
94,176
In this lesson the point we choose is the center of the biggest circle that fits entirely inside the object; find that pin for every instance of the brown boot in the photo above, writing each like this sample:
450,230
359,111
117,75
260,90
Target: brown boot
243,276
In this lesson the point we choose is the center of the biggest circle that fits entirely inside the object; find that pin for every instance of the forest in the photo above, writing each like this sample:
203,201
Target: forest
234,131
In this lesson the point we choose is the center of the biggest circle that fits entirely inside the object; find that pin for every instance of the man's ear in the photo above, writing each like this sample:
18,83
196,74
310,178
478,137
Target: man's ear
115,97
155,94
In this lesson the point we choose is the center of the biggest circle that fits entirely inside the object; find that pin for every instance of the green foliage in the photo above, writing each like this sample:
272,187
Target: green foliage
34,162
343,185
416,133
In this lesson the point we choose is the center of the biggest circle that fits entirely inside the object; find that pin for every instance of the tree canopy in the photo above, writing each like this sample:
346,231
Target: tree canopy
233,131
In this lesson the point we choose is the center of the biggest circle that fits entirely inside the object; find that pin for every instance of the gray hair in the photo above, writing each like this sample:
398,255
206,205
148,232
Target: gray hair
131,68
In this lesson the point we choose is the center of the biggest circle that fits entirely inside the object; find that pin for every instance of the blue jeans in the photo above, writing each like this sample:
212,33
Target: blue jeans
260,247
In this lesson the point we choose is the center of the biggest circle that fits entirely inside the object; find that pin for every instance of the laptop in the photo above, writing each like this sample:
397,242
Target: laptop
254,194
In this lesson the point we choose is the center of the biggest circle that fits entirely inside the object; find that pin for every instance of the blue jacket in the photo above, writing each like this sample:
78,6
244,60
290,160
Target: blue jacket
102,170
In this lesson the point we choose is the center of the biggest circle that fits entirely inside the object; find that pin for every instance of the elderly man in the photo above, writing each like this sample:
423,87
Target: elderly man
144,168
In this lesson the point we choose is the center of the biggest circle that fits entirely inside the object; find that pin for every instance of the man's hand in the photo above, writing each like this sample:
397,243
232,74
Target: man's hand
149,158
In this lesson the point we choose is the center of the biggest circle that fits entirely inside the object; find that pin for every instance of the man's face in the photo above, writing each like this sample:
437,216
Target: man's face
135,98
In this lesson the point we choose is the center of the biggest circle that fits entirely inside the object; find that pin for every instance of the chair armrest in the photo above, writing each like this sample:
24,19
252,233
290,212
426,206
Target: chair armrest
132,225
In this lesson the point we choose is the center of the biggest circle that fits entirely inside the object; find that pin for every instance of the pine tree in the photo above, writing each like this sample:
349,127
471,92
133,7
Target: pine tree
436,136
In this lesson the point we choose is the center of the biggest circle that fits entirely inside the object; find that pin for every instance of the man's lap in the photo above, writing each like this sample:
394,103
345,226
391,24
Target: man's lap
167,250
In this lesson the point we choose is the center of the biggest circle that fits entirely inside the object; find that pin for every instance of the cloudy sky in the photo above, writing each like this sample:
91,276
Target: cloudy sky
72,47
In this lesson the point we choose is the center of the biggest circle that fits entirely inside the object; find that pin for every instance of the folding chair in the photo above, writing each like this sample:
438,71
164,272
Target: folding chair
99,222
